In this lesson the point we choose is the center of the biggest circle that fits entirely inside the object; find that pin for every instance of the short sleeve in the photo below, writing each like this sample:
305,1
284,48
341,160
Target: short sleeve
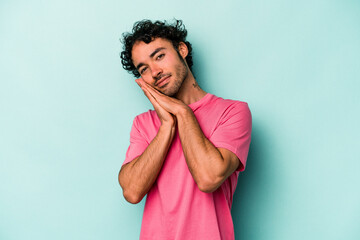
233,131
138,143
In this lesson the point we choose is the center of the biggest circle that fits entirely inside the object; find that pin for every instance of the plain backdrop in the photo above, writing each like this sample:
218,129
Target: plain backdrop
66,108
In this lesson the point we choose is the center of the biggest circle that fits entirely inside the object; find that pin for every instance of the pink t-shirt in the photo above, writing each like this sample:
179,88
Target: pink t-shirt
175,208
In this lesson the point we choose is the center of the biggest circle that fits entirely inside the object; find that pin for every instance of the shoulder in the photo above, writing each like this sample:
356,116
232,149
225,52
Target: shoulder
229,105
147,123
145,116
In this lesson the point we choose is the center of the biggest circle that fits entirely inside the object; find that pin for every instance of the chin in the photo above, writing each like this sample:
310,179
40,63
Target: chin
172,89
170,92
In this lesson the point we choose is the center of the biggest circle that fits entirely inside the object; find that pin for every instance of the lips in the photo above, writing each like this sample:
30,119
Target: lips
162,81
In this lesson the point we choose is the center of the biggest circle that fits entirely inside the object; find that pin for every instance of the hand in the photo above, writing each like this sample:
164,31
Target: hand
169,104
165,116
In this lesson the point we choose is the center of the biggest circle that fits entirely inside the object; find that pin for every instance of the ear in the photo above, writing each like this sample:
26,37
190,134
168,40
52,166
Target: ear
183,50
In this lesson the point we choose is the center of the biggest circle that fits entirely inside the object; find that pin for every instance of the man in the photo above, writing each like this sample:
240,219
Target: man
185,154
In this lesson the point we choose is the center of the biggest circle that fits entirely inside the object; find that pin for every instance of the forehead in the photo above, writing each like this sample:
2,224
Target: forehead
141,50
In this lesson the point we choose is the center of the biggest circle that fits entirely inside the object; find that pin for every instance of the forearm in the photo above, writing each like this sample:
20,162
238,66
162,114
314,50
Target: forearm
204,160
137,177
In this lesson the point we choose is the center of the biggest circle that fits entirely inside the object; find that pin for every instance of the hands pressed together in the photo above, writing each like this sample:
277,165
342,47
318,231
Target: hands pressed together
208,165
167,108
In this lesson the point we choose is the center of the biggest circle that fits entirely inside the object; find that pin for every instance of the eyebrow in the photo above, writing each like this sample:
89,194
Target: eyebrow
151,56
156,51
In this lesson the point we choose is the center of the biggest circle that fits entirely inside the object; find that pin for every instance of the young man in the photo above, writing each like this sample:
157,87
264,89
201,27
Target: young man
187,153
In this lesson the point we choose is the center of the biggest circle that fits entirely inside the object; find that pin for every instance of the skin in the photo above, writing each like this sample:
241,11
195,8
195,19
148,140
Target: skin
208,165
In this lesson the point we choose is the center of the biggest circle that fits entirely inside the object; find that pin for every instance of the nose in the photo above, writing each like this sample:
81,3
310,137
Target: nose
155,71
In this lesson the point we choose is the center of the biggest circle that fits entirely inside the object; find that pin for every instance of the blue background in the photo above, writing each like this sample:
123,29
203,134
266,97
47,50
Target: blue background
66,108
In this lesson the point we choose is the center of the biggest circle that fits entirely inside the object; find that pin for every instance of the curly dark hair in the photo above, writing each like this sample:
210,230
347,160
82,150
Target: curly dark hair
147,31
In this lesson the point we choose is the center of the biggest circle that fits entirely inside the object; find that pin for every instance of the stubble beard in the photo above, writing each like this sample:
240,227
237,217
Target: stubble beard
181,73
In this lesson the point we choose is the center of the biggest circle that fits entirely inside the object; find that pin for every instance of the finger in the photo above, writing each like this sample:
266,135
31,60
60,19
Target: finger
150,88
157,106
166,102
149,96
162,113
144,87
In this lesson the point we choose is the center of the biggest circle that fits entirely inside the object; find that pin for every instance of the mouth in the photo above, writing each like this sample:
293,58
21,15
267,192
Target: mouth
164,80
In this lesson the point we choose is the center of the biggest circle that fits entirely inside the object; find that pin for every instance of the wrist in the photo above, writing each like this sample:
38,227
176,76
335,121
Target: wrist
167,129
168,124
183,111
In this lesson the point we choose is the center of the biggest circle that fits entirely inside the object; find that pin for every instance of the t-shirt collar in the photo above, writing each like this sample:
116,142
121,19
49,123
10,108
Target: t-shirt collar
196,105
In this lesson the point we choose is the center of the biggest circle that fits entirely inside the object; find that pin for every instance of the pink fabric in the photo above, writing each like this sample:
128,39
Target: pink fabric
175,208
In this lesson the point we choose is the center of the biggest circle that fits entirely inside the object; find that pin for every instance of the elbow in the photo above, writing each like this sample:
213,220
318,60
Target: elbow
207,188
131,197
208,185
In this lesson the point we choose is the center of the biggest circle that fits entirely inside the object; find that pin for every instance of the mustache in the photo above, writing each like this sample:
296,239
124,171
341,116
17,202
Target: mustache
160,76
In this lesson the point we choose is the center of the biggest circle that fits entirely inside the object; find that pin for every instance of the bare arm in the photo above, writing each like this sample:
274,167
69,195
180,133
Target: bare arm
137,177
209,166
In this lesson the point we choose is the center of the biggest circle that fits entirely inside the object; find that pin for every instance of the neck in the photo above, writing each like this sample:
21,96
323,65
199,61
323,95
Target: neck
190,91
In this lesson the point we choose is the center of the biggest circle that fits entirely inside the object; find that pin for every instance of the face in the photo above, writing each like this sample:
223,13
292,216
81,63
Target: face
160,65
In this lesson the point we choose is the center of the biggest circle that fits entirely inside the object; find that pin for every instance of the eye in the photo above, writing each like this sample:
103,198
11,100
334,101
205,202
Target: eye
160,56
143,70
